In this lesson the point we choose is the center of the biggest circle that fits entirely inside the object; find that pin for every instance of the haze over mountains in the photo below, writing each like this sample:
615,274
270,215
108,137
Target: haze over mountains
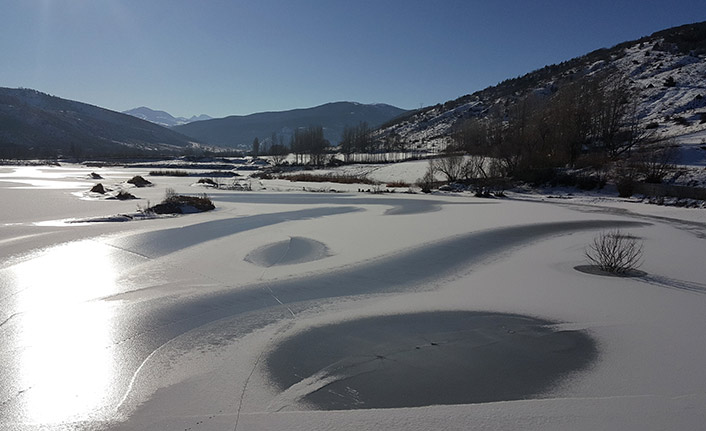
163,118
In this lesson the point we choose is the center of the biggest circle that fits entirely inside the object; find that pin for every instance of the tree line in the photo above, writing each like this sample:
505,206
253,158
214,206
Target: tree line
591,119
308,145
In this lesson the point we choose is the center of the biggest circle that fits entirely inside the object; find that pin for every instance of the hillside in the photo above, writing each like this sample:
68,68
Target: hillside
240,131
163,118
666,72
34,124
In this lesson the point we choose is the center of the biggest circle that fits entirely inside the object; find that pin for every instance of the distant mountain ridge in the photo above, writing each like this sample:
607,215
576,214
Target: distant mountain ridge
666,70
240,131
163,118
35,124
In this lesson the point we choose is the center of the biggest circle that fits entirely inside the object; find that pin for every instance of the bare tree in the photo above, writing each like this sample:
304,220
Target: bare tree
279,154
310,141
471,136
348,144
475,167
452,167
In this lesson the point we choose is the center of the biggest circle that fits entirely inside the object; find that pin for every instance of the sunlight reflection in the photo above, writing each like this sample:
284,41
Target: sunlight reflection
39,172
46,184
44,178
66,363
67,274
64,338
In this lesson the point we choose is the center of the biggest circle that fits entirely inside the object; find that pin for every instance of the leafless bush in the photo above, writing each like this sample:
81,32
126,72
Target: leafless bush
625,179
169,194
377,189
615,252
427,182
655,163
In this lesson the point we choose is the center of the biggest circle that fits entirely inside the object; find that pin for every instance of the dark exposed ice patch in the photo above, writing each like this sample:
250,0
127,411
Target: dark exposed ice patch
413,360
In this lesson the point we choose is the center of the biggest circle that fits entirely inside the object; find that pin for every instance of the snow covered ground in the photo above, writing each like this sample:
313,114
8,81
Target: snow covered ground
173,323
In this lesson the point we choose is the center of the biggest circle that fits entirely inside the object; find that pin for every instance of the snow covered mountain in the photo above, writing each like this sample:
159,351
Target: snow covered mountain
666,72
163,118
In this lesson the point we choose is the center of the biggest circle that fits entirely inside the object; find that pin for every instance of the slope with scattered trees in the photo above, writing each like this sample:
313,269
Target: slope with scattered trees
654,84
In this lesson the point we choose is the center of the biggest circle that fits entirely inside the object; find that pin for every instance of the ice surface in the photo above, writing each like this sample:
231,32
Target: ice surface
163,324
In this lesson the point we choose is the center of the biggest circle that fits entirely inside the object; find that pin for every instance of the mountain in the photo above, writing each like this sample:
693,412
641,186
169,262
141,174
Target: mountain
202,117
163,118
240,131
665,72
34,124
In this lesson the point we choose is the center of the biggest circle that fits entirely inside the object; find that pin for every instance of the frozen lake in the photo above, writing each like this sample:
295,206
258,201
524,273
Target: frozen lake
209,321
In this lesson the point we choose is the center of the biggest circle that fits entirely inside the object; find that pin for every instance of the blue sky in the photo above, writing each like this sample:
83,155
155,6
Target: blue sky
238,57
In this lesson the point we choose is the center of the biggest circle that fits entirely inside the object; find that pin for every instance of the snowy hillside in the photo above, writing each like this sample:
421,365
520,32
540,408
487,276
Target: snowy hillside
671,85
666,71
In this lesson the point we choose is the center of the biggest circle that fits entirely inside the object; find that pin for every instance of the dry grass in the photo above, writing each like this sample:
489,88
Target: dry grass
169,173
329,178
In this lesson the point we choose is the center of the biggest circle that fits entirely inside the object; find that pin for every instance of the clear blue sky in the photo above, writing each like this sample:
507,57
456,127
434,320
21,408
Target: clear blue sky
239,57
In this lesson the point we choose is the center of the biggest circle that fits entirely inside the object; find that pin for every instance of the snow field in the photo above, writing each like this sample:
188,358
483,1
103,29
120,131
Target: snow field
210,376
